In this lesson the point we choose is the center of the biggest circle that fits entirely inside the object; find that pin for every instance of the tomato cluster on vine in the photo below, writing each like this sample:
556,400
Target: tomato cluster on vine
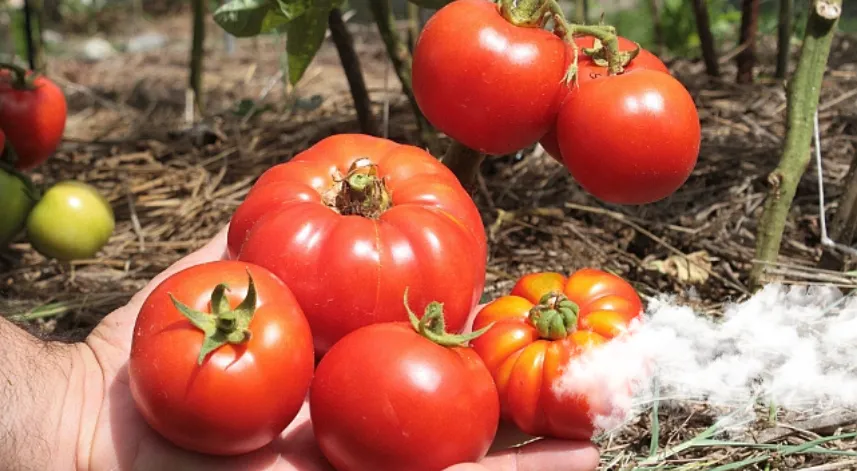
492,78
70,220
330,258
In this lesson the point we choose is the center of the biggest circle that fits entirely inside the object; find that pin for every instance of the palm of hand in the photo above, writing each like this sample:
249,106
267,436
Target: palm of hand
123,440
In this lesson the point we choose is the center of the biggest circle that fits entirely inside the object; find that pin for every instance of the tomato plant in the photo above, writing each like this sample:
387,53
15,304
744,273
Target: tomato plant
591,67
630,138
417,399
350,222
221,358
546,322
71,221
16,200
32,115
485,82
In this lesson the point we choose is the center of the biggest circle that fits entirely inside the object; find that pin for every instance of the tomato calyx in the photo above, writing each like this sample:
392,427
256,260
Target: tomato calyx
599,54
555,317
224,324
433,326
21,78
535,13
360,192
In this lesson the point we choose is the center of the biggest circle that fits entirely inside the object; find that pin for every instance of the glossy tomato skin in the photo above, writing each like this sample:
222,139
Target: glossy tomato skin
485,82
16,202
589,70
527,368
242,396
348,271
71,221
630,139
33,119
407,403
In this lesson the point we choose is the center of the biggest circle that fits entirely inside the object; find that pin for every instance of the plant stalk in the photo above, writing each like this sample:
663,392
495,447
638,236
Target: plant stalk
353,72
706,39
401,59
414,25
464,163
581,11
803,95
33,34
784,37
197,52
746,59
657,26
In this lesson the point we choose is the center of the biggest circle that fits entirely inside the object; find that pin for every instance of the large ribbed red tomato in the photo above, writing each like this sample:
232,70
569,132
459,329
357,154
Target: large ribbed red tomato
588,70
538,329
485,82
351,222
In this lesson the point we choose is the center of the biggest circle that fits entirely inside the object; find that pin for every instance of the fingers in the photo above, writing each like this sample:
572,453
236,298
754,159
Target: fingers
543,455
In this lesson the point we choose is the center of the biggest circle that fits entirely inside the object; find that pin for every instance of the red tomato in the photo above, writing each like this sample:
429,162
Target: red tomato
2,141
485,82
33,118
631,138
240,396
348,254
589,70
536,334
390,396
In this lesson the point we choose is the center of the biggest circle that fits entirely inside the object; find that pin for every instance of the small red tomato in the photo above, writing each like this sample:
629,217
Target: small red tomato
630,138
395,396
588,70
221,358
534,334
32,115
487,83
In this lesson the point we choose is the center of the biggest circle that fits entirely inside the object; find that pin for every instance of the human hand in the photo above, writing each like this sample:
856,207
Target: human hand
121,439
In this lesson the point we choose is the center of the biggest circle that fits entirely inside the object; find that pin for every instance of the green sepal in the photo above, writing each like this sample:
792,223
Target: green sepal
433,326
224,325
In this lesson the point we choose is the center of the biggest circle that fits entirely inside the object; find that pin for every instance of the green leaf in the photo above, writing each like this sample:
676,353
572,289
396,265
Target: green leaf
292,9
243,18
304,37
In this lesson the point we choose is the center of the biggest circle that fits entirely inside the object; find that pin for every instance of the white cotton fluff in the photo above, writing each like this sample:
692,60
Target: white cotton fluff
793,346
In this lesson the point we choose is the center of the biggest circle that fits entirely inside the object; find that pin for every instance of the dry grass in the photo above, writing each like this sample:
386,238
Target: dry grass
171,192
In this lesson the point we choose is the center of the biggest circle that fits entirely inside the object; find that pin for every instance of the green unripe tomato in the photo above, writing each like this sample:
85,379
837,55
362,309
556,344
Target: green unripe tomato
72,221
16,201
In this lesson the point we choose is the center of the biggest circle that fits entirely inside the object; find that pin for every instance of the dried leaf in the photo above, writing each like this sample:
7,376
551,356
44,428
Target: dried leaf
693,268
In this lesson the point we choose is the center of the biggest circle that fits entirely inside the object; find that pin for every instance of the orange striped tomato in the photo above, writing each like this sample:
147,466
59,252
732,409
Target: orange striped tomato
545,322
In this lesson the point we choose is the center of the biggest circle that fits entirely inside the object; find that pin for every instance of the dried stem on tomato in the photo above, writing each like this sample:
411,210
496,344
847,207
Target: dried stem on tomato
224,324
361,192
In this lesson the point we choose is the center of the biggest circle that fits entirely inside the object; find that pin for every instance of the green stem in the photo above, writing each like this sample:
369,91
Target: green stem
433,326
803,97
746,59
464,162
784,37
414,12
362,192
21,78
197,53
401,59
344,43
706,38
